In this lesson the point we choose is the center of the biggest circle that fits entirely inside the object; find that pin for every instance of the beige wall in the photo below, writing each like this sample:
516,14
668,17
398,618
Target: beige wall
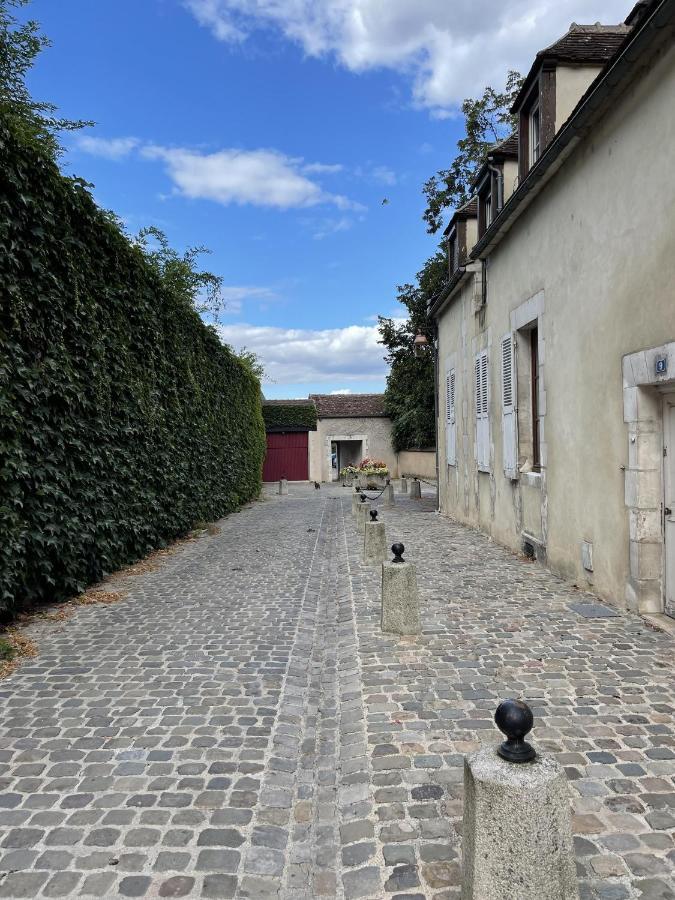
375,434
417,462
510,177
592,259
571,83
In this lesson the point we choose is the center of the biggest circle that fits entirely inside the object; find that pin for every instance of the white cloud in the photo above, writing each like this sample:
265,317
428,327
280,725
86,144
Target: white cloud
235,295
255,177
323,169
297,356
328,227
384,175
342,392
108,148
449,50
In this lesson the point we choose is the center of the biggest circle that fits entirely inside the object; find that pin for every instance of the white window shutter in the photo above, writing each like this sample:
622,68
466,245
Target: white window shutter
450,419
509,409
482,411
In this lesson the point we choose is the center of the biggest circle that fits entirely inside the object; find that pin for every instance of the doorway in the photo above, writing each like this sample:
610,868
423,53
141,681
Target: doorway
347,453
669,500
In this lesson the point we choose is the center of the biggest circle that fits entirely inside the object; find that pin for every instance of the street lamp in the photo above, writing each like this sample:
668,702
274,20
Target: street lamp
421,346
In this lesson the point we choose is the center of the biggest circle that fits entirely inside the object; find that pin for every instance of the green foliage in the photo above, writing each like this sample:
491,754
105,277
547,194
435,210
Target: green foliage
291,416
33,120
487,120
7,650
409,396
123,418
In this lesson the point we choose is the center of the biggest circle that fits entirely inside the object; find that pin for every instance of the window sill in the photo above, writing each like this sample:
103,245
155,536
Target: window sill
532,479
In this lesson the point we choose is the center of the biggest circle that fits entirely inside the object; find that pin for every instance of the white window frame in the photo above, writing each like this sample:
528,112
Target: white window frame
482,403
450,417
487,207
535,145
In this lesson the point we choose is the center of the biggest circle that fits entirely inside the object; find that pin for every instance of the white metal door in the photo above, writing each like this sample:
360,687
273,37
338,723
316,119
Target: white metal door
669,498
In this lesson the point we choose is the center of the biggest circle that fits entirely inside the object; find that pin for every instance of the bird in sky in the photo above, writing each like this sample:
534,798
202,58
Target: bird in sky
385,202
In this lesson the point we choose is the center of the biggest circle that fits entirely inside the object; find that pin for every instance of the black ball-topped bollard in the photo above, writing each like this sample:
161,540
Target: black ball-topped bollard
373,515
363,498
514,719
398,550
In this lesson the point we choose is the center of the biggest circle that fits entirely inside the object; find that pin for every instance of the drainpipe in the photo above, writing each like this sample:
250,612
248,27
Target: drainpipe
499,175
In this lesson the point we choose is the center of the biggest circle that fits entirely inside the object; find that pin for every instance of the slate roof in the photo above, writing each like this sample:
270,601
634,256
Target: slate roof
581,45
468,211
506,148
349,406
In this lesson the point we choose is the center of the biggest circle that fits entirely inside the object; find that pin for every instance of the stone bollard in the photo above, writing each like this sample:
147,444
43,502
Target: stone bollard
356,499
362,511
400,600
388,495
517,828
374,541
415,490
404,485
283,486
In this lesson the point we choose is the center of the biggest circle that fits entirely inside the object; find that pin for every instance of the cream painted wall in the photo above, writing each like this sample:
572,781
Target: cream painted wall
374,432
594,253
571,83
510,177
417,462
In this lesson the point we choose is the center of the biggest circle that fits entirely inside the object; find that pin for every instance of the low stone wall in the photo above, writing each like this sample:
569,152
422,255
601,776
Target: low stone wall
417,462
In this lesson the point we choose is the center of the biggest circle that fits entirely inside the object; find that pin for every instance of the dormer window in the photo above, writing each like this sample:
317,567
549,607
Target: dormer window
488,211
534,134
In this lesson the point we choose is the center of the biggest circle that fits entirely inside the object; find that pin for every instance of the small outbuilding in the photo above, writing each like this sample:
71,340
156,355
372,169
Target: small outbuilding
314,439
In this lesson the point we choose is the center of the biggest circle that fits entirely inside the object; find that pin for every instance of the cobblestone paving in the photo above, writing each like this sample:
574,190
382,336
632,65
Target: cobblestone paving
238,726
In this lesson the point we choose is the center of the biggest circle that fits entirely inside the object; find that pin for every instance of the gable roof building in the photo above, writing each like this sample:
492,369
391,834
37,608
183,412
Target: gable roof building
556,328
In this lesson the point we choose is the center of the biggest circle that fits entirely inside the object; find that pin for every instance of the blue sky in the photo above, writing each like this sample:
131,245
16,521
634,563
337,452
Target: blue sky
270,131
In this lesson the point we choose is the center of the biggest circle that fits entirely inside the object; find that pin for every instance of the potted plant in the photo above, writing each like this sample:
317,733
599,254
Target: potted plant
372,474
348,474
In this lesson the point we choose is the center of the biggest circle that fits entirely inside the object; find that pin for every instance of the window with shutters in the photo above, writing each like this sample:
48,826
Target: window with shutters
509,409
527,410
450,419
482,381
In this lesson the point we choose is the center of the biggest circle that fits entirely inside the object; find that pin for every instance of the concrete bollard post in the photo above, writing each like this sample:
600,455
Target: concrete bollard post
283,486
517,828
400,599
404,485
388,495
356,499
374,541
362,511
415,490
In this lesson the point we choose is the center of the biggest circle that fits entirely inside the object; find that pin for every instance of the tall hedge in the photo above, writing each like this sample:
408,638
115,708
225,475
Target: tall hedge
293,415
123,419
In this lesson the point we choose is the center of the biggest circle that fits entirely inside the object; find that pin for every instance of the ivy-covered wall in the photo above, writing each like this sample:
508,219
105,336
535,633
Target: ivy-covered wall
123,419
293,415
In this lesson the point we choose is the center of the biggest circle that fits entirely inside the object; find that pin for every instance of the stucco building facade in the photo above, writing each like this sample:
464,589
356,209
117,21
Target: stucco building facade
343,430
556,331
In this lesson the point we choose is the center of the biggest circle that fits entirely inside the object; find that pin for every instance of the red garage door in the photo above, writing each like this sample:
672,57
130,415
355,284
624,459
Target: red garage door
287,457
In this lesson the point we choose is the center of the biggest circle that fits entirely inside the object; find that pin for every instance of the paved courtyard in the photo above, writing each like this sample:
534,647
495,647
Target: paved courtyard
238,726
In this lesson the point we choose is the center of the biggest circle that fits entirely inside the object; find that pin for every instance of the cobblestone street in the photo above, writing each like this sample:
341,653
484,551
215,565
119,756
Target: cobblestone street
238,725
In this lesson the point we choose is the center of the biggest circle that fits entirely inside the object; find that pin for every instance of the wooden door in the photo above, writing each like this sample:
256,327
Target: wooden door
287,457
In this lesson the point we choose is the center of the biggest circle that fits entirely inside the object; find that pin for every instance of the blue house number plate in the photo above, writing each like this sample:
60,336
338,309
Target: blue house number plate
662,365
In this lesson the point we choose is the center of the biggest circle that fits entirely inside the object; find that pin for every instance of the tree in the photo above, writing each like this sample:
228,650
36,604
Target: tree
33,120
487,120
197,287
409,395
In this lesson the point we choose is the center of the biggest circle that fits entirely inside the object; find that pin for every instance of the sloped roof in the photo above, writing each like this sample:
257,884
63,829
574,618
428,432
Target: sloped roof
506,148
581,45
468,211
349,406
